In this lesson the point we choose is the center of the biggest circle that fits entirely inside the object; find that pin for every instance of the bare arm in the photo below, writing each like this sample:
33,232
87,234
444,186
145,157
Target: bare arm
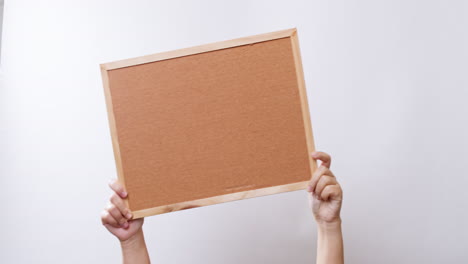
117,218
325,198
330,244
134,249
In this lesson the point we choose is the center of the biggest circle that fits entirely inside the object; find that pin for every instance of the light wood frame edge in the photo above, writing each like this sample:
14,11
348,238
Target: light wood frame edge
220,199
113,128
304,101
198,49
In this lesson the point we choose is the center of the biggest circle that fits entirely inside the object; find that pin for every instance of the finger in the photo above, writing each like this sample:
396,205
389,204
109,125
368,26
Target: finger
322,156
332,192
112,209
119,203
324,181
108,219
316,177
118,188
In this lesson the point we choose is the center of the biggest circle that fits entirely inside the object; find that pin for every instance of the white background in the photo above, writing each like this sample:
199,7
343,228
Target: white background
387,85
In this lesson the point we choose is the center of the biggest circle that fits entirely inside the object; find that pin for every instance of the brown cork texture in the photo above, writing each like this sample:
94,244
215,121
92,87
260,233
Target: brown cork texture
209,124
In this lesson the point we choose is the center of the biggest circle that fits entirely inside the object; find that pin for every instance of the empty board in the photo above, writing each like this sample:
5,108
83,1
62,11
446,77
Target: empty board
210,124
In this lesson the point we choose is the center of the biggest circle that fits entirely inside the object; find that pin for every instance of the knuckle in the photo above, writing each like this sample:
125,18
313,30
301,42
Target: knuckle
321,186
112,208
325,170
339,189
328,187
324,180
104,214
106,219
114,198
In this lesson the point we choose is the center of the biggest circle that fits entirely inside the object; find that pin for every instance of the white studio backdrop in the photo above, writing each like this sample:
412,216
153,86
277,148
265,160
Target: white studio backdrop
387,86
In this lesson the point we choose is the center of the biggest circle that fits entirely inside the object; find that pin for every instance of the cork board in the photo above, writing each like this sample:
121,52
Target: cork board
210,124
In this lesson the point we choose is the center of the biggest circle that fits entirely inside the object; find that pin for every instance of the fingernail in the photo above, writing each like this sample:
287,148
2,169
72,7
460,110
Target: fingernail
124,194
125,225
129,215
309,188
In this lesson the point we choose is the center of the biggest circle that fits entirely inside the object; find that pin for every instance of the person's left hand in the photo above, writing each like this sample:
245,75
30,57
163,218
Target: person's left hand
325,193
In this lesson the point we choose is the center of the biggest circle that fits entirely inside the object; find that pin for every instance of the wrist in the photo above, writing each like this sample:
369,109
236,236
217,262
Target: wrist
135,241
329,226
134,249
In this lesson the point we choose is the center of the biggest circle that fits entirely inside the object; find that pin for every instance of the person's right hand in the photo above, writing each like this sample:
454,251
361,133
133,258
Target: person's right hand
117,218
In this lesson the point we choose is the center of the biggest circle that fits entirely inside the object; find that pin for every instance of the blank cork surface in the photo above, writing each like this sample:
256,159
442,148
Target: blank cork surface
209,124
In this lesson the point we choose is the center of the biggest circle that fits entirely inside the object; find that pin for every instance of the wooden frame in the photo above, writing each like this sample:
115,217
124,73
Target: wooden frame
289,33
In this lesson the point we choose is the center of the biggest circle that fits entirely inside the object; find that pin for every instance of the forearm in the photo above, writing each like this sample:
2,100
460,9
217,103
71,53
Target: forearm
330,243
134,250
